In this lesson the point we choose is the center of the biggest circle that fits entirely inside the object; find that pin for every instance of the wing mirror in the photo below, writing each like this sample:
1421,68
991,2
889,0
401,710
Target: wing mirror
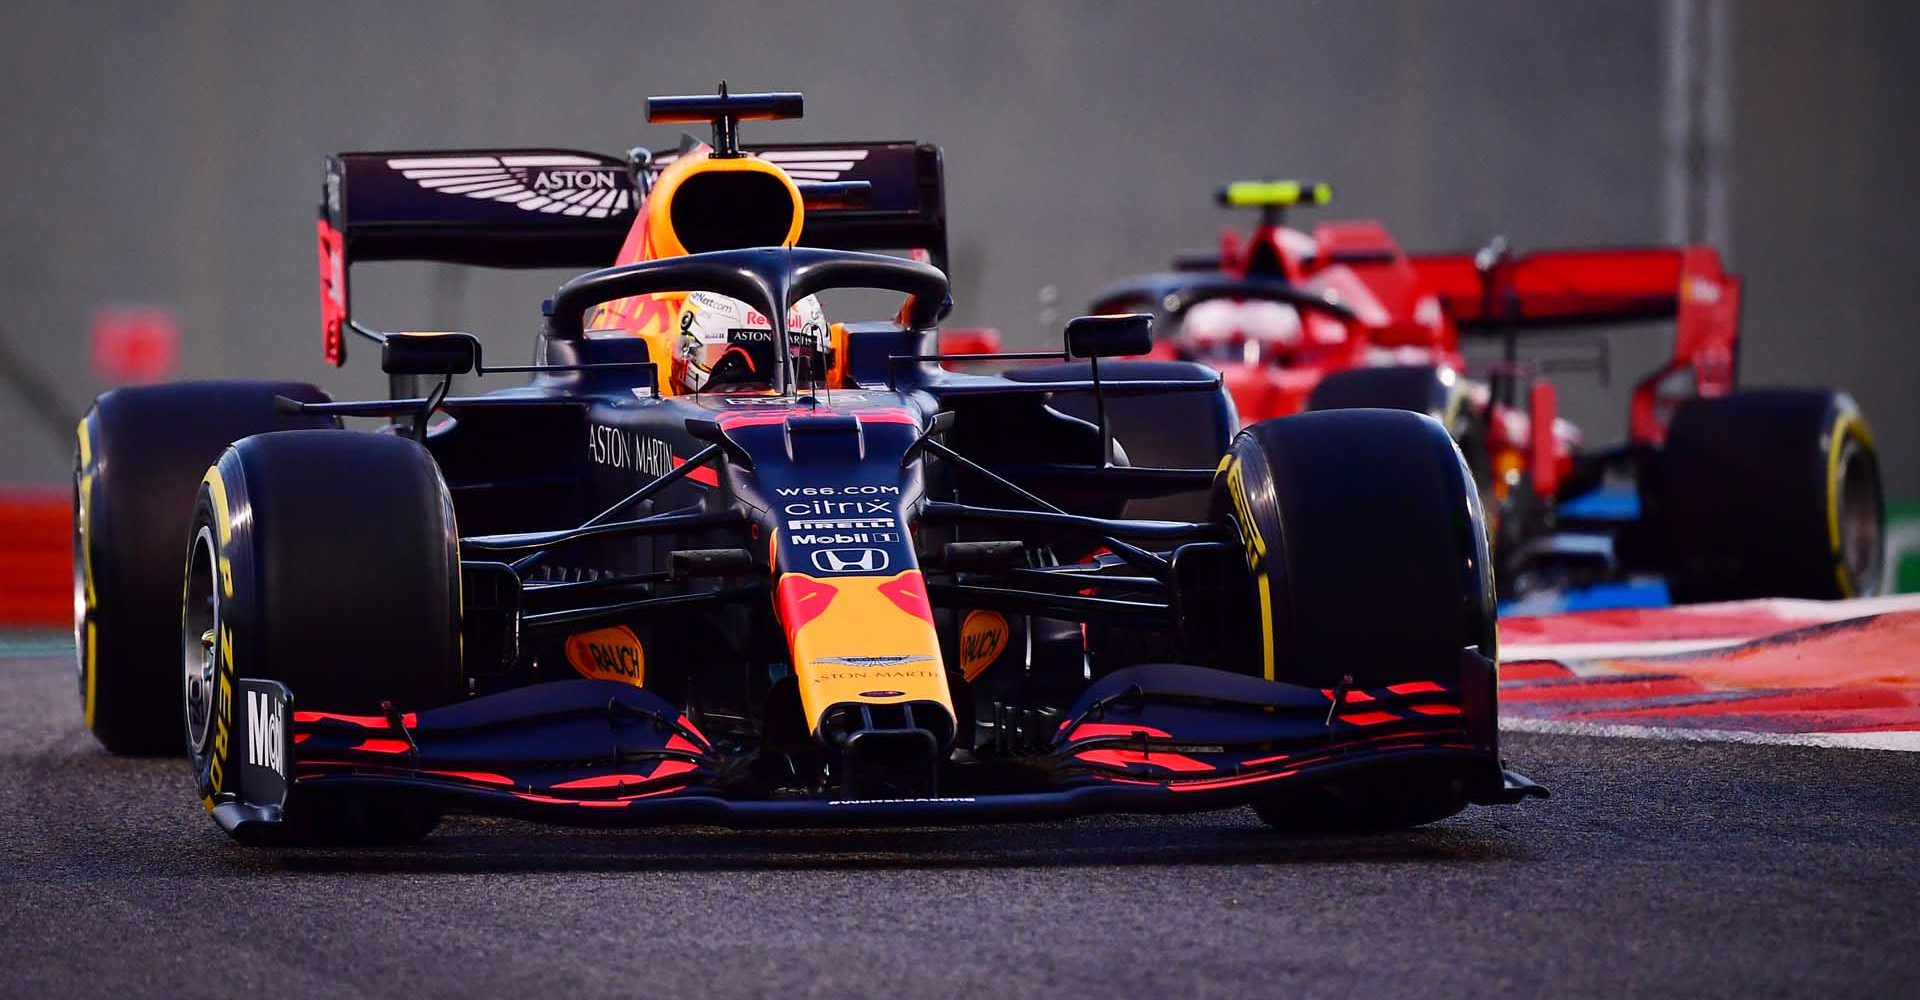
1116,336
430,354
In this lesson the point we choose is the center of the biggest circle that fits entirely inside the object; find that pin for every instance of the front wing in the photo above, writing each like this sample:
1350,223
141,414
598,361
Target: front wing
1152,739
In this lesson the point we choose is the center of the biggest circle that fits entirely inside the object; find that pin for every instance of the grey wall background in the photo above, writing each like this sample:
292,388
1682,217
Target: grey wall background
170,153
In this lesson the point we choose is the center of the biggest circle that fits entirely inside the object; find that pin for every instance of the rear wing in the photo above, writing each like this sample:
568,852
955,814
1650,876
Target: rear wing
1564,288
1489,293
560,208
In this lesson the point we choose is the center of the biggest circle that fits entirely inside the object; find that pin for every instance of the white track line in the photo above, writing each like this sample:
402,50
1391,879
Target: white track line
36,645
1564,651
1802,610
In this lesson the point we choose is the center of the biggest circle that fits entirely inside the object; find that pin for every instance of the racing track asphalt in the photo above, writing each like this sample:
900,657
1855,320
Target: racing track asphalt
1658,869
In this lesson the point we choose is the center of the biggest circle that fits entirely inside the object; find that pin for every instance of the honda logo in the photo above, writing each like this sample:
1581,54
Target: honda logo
850,560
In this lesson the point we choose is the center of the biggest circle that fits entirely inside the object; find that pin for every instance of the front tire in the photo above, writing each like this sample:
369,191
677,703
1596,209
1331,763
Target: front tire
1368,550
328,561
1367,531
1439,392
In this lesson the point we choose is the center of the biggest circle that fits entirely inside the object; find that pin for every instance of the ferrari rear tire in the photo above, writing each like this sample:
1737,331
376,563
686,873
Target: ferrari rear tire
140,453
1367,547
1769,493
1430,389
327,561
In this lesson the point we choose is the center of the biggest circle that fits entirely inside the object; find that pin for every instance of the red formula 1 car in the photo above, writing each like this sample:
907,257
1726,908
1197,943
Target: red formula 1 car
1726,494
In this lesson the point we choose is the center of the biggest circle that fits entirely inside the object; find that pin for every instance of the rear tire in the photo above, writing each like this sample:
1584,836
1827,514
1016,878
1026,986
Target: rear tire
1368,532
1769,493
1169,430
140,453
328,561
1429,389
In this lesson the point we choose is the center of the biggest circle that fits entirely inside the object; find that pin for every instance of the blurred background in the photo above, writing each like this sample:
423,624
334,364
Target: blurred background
163,160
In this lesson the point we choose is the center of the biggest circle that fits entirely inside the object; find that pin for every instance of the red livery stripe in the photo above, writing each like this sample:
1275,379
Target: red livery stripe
409,720
483,777
1087,730
382,746
1121,758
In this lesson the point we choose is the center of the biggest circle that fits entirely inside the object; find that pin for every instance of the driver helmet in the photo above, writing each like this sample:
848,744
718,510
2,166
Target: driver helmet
725,342
1238,331
699,203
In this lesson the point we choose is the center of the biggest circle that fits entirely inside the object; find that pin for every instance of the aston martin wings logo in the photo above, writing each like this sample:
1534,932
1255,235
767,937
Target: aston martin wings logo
896,660
554,184
800,164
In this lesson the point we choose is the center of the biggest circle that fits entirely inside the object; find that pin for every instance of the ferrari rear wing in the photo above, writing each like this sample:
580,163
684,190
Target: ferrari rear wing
561,208
1491,294
1488,293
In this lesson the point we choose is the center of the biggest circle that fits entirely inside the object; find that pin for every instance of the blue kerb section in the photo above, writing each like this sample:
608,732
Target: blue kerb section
1635,594
1601,597
35,644
1605,504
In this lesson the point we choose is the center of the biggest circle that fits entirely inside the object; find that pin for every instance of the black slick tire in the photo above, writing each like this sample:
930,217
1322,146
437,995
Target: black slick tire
327,561
1367,545
1768,493
139,454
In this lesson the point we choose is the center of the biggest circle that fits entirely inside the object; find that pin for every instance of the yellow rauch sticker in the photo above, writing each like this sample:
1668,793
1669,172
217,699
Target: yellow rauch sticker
608,654
983,637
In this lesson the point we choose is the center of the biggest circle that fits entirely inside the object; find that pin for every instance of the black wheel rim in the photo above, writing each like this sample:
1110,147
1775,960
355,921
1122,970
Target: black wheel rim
199,640
1861,520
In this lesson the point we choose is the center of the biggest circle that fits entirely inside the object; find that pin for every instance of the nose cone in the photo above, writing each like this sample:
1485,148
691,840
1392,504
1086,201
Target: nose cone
849,593
865,641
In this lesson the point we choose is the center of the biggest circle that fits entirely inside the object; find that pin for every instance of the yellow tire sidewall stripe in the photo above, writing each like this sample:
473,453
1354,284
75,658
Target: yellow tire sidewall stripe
89,640
1848,424
1256,551
222,518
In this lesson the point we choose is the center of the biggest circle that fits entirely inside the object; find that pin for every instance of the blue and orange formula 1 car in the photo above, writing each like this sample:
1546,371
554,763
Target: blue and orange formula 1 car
719,562
1727,493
